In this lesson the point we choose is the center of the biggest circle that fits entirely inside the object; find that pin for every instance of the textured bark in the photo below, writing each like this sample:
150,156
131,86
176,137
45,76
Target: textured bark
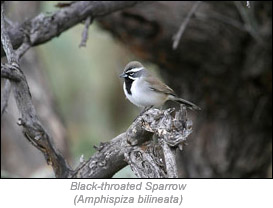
147,158
223,63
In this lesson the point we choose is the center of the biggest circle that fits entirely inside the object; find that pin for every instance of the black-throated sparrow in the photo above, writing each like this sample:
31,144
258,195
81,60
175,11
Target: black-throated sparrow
145,90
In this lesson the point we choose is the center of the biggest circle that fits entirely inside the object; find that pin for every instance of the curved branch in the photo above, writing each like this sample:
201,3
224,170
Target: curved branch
43,28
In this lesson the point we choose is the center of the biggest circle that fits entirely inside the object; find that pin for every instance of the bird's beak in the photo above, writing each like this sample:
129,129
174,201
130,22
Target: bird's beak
123,75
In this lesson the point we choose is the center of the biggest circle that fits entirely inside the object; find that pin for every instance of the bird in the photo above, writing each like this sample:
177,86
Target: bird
145,90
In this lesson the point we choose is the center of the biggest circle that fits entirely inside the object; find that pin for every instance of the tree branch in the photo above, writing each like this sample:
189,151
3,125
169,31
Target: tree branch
5,96
43,28
5,40
248,21
184,24
85,32
136,147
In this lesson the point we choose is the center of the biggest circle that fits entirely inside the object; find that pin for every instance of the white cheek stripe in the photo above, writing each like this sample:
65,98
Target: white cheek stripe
135,69
133,78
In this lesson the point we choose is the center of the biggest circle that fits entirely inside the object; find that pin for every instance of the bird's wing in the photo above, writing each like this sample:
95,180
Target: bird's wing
158,86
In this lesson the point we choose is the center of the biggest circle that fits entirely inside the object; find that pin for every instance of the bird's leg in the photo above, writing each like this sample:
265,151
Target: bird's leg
145,109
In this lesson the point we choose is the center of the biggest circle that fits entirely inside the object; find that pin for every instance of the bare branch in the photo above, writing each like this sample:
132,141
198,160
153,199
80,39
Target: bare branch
23,49
220,17
85,32
10,72
248,22
43,28
7,46
5,96
184,24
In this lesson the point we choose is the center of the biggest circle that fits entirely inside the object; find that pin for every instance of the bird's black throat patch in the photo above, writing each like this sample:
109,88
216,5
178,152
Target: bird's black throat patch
128,85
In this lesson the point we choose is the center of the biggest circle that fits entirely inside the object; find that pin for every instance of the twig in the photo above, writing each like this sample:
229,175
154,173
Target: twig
248,23
7,46
10,23
23,49
223,18
184,24
248,4
85,32
5,96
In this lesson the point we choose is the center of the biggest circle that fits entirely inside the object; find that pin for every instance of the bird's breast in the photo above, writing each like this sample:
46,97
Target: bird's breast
142,95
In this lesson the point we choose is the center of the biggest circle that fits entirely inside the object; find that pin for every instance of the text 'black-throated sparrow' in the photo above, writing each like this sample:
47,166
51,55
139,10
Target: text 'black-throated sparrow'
145,90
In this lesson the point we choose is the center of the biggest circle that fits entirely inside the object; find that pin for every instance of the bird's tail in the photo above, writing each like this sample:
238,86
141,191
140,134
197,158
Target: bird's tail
185,102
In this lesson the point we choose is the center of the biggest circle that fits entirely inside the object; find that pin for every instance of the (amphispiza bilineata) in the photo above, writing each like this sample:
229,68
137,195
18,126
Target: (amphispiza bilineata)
145,90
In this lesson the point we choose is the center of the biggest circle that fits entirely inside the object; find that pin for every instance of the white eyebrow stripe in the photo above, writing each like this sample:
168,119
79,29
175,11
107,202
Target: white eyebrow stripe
135,69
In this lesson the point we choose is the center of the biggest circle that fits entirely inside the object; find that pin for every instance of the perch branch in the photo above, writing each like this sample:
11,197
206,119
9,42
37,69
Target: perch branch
172,132
136,147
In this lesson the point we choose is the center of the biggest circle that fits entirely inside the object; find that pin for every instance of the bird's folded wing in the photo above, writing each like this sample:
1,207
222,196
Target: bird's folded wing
159,86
